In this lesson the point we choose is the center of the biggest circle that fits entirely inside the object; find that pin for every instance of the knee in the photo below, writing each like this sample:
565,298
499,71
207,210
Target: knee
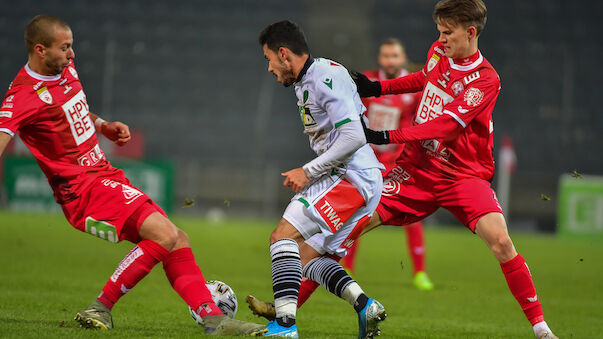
170,236
502,247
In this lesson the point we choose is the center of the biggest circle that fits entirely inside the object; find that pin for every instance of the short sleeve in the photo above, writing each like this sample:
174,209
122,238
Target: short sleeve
15,112
338,96
475,99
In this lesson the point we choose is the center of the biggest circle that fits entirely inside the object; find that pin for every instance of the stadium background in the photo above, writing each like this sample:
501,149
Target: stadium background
191,78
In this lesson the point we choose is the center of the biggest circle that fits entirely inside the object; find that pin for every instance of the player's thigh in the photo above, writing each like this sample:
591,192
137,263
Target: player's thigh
285,230
492,228
468,200
110,209
325,205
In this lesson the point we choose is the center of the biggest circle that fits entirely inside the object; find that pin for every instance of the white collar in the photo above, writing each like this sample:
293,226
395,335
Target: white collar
38,76
469,67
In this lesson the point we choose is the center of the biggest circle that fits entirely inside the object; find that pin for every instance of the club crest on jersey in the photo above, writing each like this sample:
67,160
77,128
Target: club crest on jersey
433,61
73,72
44,95
457,88
473,96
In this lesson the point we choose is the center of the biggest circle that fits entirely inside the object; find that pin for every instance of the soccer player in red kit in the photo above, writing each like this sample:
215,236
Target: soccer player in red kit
389,113
447,161
46,106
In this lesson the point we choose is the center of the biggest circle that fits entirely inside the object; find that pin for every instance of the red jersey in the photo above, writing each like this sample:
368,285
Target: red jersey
50,114
389,112
455,92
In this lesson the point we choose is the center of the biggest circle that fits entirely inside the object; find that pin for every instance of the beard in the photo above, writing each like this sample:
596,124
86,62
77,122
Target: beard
287,76
55,66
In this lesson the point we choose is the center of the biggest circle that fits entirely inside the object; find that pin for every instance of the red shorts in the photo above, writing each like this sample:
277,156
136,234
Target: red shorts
411,194
111,209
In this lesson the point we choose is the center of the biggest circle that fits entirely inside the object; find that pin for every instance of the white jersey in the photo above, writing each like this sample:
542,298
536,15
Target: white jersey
327,98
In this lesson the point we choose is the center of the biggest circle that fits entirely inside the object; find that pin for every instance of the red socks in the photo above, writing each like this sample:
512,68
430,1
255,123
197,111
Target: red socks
416,246
350,259
520,283
306,289
135,266
188,281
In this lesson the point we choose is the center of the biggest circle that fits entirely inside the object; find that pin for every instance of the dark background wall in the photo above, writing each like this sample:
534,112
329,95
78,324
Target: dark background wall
191,76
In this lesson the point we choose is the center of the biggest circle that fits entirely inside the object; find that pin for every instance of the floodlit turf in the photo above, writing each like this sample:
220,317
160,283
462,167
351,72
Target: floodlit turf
48,271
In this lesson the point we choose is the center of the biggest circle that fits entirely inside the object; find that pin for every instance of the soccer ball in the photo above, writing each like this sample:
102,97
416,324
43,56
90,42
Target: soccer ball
224,297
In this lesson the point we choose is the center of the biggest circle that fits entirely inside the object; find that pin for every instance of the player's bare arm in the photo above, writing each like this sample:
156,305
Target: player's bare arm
115,131
295,179
4,140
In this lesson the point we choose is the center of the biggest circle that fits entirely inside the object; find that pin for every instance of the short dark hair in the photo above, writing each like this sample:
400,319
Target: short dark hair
40,30
284,34
465,12
392,41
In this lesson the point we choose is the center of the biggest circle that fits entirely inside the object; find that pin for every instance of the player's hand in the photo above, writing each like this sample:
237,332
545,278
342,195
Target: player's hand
295,179
366,87
116,131
375,137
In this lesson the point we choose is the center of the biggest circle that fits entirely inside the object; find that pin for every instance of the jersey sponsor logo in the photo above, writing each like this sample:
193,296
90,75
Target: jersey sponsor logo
383,117
92,157
101,229
128,260
473,96
393,181
328,82
44,95
471,77
432,103
457,88
306,116
7,105
433,61
76,111
6,114
339,204
73,72
330,216
436,149
9,98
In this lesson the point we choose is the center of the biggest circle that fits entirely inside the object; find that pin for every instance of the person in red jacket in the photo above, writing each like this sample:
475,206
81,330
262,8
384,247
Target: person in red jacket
389,113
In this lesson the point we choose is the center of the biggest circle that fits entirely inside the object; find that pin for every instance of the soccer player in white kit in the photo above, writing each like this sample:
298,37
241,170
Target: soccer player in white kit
337,192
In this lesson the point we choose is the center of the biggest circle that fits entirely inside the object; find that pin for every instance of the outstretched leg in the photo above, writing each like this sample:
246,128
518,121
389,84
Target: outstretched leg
492,228
163,242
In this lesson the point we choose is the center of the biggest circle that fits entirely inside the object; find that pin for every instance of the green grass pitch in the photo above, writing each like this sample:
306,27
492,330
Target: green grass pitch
48,271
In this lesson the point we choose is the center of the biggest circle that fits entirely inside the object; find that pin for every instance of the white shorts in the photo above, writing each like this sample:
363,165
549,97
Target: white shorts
327,211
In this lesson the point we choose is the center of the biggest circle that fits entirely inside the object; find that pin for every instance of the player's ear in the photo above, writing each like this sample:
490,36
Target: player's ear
283,53
472,32
40,50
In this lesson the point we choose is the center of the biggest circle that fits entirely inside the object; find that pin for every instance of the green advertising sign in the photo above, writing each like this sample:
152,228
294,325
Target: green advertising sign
581,205
28,189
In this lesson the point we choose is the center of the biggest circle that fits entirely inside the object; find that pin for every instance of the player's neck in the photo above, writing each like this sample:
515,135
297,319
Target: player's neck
299,64
38,66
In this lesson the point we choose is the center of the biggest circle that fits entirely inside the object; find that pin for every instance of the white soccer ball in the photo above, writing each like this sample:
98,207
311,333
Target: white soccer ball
224,297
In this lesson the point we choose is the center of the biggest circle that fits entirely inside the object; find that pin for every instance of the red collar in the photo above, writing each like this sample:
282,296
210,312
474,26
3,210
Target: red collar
468,60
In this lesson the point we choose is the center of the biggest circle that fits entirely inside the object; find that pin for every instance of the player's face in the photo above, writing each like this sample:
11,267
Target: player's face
456,39
58,55
391,59
279,66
